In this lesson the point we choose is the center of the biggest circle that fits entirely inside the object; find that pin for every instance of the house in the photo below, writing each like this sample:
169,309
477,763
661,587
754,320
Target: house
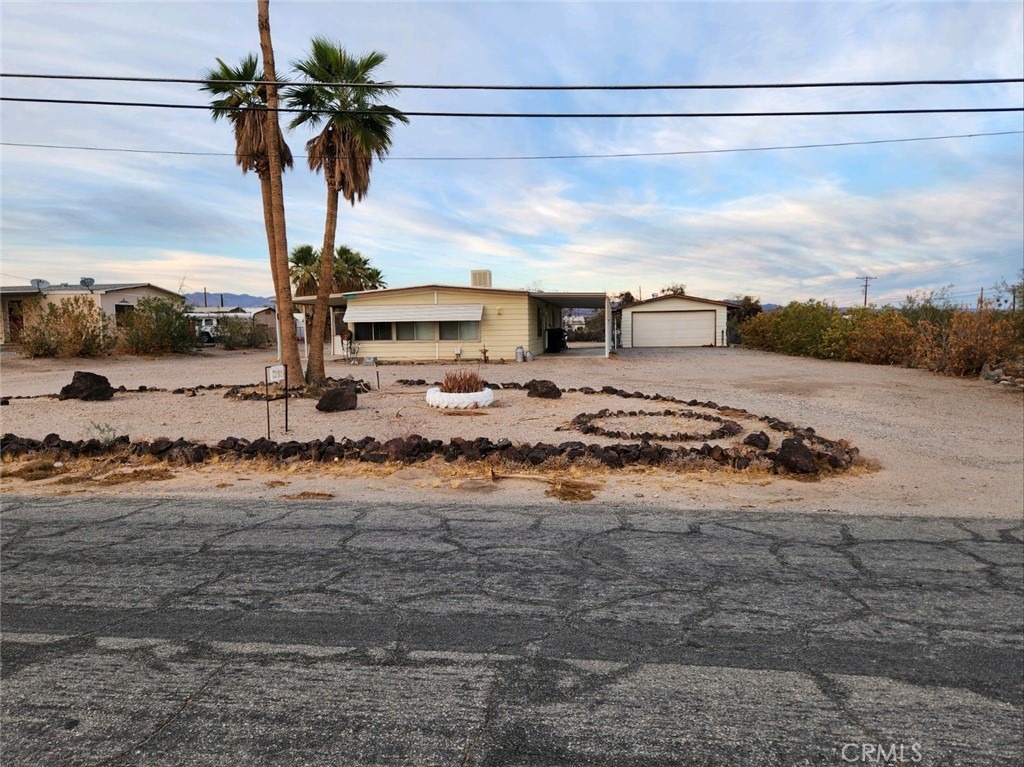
115,299
673,320
450,322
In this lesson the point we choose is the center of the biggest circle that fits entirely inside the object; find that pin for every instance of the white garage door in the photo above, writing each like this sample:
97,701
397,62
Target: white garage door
673,328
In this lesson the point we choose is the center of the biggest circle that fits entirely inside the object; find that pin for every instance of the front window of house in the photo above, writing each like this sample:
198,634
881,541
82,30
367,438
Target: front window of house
414,331
466,330
373,331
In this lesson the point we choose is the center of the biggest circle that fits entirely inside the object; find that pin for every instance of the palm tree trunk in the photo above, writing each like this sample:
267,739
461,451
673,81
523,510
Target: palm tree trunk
315,373
279,261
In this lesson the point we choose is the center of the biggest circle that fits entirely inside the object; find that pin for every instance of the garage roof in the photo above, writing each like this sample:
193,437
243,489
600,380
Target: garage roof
415,313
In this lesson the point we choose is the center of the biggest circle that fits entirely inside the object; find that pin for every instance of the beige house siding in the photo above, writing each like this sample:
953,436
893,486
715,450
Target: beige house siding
33,303
508,320
673,304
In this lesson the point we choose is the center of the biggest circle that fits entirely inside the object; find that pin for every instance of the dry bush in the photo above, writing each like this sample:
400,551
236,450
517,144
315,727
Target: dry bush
462,382
883,337
970,341
73,327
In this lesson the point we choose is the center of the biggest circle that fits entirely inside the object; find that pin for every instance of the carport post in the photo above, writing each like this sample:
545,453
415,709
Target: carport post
609,325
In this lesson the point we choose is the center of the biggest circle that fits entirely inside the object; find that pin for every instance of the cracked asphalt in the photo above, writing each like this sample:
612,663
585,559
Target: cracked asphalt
166,632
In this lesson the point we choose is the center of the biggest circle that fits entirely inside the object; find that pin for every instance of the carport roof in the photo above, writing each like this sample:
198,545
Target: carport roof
572,300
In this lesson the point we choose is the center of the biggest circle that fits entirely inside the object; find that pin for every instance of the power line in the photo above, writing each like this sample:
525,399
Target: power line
647,87
550,156
559,115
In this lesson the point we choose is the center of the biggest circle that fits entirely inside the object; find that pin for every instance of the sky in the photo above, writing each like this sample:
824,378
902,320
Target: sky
154,195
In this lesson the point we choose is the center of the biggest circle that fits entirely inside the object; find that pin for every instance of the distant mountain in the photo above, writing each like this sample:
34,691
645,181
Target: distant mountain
229,299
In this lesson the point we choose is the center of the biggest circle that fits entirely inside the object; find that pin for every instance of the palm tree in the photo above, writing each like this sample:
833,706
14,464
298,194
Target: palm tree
275,168
304,269
242,101
356,129
351,271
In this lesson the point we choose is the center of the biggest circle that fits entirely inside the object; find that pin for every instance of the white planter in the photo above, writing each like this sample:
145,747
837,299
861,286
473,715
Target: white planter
459,401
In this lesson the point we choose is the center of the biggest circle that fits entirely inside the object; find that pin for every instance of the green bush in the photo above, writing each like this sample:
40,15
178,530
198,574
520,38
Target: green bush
159,326
758,332
238,333
73,327
798,328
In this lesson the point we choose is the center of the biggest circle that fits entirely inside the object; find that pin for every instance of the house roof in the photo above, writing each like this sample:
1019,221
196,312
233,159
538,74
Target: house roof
673,295
565,300
418,288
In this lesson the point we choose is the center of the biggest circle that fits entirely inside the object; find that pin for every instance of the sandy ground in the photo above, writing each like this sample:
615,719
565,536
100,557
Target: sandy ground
943,446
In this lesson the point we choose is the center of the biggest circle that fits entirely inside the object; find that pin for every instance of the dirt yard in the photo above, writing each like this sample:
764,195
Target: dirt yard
937,446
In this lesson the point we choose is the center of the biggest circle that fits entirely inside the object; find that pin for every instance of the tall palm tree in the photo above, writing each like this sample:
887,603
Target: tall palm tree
356,129
275,168
241,100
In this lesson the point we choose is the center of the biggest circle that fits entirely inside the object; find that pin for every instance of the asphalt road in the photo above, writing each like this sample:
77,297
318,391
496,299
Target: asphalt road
315,633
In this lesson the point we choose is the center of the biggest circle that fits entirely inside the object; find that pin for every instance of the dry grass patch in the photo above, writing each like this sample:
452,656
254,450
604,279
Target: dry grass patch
34,471
308,495
158,474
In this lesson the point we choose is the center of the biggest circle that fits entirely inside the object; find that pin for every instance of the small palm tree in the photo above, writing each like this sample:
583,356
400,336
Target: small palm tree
351,271
240,99
356,128
304,269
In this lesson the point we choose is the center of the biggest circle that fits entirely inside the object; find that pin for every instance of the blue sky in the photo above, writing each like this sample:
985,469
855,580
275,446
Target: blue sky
781,225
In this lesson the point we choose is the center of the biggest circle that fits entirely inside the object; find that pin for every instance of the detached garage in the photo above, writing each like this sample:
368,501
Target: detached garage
674,321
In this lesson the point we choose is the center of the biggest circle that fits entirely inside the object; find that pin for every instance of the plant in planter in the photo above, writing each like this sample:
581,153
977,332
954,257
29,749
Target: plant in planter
461,389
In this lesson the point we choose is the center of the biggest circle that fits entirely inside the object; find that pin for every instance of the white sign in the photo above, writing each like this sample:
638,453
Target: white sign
275,373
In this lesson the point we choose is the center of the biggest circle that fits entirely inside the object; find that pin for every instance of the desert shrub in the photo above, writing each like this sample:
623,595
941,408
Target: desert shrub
745,308
971,340
934,307
877,337
462,382
159,326
797,328
73,327
238,333
758,332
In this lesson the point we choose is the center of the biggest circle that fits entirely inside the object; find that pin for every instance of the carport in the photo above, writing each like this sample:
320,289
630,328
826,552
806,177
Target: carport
582,301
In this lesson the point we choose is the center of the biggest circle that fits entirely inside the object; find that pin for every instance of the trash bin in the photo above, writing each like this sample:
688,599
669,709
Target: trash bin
552,340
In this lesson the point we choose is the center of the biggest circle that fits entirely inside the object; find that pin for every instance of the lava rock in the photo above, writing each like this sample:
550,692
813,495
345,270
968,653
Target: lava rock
795,456
758,439
543,389
91,387
337,400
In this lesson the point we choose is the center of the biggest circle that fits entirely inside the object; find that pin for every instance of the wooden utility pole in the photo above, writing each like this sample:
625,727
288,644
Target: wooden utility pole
866,281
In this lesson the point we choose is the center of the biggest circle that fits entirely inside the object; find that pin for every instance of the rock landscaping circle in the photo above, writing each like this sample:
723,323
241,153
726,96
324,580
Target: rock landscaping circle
591,423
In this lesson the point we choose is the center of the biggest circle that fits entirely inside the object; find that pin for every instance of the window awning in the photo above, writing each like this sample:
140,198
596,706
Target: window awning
415,313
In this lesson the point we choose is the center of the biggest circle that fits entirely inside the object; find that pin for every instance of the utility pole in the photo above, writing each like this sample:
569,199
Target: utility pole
866,281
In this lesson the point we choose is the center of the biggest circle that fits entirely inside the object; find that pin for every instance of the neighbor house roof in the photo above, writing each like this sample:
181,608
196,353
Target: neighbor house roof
673,295
110,287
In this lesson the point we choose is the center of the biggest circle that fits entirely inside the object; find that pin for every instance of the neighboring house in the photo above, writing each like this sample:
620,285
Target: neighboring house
265,316
116,299
447,322
674,321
